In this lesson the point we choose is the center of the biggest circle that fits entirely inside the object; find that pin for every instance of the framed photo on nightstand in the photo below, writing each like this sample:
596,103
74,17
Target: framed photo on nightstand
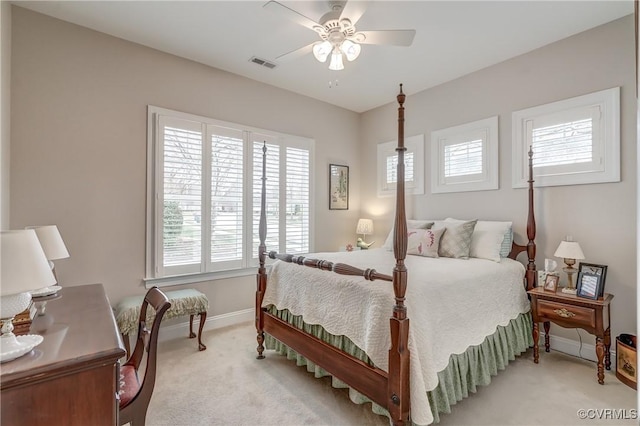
551,282
591,279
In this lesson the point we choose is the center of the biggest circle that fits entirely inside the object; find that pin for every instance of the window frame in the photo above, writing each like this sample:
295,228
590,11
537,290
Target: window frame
415,145
155,146
605,144
488,179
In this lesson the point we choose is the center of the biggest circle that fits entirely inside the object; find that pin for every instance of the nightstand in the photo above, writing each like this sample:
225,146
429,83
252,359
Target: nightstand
571,311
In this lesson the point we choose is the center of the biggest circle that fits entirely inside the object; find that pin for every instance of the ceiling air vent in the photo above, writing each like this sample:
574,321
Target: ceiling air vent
262,62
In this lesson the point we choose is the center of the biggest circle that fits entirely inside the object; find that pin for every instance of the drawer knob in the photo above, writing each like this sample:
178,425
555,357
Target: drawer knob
564,313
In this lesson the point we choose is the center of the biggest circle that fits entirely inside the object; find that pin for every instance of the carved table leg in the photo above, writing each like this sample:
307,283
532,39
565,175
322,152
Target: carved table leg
600,353
547,326
536,335
203,319
607,349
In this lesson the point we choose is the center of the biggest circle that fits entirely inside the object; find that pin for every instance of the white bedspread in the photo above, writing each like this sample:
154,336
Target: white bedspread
452,304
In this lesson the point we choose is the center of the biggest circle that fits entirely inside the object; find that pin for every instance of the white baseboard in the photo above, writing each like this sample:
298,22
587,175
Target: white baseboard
181,330
572,347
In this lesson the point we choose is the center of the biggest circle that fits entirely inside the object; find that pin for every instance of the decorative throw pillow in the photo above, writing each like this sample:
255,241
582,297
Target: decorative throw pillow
424,242
411,224
490,240
456,240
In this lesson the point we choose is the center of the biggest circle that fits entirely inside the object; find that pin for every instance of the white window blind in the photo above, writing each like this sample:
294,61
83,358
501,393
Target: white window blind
413,166
462,159
465,157
204,186
574,141
181,182
227,184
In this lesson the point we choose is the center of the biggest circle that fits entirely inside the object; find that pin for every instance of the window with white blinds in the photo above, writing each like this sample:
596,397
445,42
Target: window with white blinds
465,157
204,186
413,166
575,141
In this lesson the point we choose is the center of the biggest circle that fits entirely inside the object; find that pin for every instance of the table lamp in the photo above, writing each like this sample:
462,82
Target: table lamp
364,227
52,244
569,250
24,267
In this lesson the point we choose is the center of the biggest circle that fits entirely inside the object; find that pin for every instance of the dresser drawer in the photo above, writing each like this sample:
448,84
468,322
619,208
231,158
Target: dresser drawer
578,315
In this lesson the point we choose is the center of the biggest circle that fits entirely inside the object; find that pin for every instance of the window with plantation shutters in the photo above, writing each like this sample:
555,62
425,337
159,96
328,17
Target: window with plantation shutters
465,157
574,141
413,166
204,186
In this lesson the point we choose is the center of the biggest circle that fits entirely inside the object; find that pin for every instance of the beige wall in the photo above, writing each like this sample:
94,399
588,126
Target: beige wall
601,217
79,139
5,110
78,149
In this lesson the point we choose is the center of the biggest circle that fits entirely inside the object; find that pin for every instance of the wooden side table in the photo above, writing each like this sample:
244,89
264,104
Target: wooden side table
571,311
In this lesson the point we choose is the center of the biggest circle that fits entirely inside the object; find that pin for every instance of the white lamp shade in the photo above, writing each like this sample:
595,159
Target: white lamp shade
569,250
23,265
365,227
51,241
336,60
321,50
350,49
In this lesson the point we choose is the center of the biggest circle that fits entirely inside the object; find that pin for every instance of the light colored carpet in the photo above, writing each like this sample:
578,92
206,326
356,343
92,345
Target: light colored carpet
226,385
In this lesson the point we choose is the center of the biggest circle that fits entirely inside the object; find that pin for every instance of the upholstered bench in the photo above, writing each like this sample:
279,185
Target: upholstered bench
183,302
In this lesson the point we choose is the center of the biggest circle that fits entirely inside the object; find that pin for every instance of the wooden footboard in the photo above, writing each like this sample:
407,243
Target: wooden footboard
388,389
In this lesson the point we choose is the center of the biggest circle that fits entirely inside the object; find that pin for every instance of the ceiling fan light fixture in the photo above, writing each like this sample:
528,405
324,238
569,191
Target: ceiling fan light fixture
350,49
321,50
336,60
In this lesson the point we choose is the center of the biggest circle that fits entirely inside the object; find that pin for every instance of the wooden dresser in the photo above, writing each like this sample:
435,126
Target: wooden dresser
71,378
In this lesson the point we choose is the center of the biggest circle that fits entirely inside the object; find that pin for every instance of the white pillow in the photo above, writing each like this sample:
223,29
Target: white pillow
411,224
488,239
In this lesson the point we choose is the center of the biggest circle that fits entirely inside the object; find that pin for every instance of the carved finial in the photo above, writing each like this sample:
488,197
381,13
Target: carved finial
401,96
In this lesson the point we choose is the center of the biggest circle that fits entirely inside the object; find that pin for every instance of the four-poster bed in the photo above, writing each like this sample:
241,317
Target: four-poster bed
385,379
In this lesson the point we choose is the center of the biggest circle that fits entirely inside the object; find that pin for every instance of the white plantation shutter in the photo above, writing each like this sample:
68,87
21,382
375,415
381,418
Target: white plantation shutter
462,159
181,194
297,201
574,141
392,170
203,197
413,166
227,184
465,157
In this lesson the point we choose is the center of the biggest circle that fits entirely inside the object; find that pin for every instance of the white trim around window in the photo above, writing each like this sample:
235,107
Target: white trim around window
414,166
574,141
203,196
465,157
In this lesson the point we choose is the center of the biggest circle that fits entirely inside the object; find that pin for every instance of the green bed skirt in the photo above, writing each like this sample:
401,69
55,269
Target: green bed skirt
464,373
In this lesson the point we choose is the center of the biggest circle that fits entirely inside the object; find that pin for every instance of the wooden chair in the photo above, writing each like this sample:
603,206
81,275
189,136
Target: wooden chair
135,395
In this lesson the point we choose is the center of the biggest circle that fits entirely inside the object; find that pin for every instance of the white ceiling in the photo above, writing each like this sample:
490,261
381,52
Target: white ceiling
453,38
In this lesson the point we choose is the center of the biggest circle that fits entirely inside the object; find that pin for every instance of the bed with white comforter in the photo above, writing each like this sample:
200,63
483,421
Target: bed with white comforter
452,304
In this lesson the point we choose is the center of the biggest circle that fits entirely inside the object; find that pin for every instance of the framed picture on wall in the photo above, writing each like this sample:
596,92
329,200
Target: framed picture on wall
338,187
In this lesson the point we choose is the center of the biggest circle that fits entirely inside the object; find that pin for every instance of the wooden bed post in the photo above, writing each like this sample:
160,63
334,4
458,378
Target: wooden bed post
531,274
262,249
398,385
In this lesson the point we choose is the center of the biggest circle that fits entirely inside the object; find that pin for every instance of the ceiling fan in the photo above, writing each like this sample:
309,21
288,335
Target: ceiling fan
338,34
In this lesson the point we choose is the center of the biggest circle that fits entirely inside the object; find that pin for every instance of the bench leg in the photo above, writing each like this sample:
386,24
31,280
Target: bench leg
203,318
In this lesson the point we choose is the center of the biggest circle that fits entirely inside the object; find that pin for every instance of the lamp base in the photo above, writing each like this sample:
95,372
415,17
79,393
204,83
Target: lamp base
569,290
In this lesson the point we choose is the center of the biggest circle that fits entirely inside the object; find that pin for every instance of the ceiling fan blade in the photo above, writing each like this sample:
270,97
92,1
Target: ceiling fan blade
294,54
393,37
292,15
353,10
